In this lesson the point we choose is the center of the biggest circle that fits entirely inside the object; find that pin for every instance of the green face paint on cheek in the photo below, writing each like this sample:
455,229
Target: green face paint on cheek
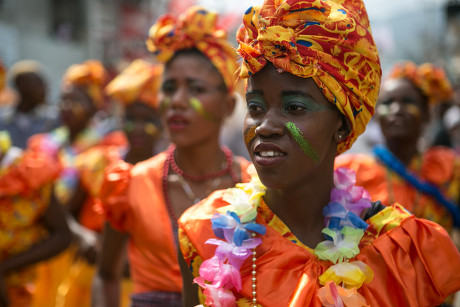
304,145
165,103
249,134
129,126
198,107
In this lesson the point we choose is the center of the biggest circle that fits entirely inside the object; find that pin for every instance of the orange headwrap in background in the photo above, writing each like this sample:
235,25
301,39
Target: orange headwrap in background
91,75
329,41
428,78
140,81
196,28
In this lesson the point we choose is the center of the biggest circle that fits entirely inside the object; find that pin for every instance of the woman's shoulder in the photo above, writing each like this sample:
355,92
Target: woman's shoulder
440,165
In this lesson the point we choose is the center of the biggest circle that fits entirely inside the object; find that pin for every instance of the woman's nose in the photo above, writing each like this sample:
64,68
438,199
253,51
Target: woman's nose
270,125
180,98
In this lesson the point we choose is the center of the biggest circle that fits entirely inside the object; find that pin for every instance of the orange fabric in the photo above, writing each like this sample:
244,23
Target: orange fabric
407,255
438,165
328,41
428,78
25,188
195,28
133,199
90,74
2,76
140,81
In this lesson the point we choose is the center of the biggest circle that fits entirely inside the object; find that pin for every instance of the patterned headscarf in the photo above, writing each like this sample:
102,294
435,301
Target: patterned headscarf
90,75
428,78
140,81
329,41
196,28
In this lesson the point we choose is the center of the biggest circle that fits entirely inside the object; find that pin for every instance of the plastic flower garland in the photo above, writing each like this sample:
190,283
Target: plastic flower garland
235,226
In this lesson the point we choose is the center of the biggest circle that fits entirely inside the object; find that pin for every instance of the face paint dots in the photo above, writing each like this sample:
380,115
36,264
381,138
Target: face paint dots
151,129
304,145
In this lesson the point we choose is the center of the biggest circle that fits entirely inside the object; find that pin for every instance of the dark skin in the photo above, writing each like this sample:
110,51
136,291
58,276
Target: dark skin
298,187
32,91
59,239
402,111
139,118
197,149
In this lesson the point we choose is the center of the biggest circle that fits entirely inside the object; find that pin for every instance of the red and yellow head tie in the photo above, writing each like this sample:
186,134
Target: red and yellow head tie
90,75
196,28
140,81
428,78
329,41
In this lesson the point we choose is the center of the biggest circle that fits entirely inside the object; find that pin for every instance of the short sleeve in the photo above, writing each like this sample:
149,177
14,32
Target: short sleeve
114,193
438,165
28,174
416,262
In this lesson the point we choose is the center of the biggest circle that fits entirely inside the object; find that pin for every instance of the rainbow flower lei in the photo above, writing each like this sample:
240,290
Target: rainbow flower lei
235,226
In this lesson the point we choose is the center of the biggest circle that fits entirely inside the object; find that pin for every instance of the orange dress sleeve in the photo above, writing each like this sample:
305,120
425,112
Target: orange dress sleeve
114,193
31,171
414,261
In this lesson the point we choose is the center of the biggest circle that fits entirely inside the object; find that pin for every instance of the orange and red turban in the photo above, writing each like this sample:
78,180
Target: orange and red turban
91,75
140,81
329,41
196,28
428,78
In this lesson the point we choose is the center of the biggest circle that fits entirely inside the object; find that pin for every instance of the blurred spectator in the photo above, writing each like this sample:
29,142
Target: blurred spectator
30,114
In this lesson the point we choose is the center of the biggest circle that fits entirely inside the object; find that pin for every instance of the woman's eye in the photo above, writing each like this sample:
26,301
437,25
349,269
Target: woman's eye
168,89
196,90
293,107
254,108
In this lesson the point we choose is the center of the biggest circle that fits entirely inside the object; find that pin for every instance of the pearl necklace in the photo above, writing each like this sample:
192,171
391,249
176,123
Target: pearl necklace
254,275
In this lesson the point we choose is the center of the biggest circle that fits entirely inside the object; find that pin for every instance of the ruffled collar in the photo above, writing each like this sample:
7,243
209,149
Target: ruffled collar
238,235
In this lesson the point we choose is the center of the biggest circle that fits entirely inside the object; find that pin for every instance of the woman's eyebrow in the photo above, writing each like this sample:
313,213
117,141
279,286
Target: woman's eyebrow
298,93
254,92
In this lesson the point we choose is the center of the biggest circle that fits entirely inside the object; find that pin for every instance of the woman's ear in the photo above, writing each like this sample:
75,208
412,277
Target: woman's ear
344,131
230,103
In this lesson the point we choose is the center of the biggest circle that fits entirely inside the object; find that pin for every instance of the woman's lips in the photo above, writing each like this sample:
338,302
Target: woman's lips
268,154
177,122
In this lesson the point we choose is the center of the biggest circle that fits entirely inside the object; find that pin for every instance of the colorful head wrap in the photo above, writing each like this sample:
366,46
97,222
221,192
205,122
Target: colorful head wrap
428,78
196,28
329,41
140,81
91,75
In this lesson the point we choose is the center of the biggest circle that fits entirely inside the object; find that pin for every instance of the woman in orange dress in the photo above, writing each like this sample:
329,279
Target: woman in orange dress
32,226
426,182
82,99
300,233
142,202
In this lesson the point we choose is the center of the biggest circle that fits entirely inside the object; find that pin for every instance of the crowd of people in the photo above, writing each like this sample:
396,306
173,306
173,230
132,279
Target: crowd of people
129,197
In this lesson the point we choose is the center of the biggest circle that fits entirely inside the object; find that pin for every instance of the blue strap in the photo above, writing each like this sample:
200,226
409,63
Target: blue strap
384,155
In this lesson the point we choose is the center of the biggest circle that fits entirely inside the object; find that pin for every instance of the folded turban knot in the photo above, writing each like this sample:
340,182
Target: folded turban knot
139,82
428,78
196,28
329,41
90,75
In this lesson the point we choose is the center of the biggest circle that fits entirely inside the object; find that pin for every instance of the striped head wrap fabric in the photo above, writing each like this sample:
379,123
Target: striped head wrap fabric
138,82
195,28
90,75
329,41
430,79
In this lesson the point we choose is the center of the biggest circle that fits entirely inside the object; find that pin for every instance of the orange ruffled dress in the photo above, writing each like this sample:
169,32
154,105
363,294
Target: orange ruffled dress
439,166
412,259
25,189
133,199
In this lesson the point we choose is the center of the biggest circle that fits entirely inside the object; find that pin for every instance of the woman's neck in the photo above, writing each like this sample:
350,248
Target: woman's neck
404,151
135,156
301,209
200,159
